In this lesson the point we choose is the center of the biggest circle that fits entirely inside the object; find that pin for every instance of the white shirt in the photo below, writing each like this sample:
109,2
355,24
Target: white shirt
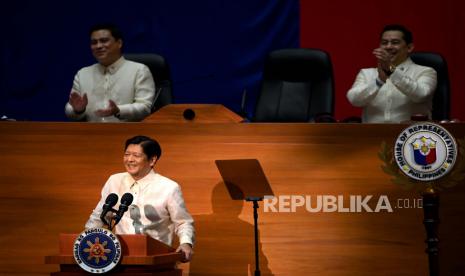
408,91
158,208
129,84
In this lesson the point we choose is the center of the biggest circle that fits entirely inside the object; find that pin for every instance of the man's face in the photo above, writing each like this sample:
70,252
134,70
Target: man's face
105,48
136,162
393,42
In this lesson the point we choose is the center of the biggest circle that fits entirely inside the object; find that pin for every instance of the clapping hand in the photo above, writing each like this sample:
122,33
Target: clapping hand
78,102
110,111
385,60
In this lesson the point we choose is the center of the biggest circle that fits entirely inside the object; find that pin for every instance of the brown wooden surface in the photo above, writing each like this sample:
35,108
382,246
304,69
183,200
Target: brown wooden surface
51,176
121,270
204,113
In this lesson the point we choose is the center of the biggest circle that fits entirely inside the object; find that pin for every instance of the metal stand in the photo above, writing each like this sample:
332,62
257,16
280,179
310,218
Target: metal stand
246,180
255,222
431,222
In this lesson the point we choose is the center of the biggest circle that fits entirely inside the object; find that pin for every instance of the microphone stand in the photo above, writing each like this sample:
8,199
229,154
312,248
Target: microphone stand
431,222
255,222
111,219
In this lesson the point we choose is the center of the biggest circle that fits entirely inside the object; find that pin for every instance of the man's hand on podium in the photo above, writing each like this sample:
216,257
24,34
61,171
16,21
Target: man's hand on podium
187,252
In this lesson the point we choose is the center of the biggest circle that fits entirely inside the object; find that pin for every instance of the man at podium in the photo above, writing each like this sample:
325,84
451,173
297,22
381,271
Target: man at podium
157,208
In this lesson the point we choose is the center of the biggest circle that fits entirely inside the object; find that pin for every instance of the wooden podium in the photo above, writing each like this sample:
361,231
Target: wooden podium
142,256
204,113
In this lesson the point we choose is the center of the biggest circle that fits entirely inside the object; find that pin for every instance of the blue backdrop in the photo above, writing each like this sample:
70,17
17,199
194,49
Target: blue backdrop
215,48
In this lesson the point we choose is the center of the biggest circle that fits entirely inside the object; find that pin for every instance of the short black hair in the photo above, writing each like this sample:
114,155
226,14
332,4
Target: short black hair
408,36
114,30
150,146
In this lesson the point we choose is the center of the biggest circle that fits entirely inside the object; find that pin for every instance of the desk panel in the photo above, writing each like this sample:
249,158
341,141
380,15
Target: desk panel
51,176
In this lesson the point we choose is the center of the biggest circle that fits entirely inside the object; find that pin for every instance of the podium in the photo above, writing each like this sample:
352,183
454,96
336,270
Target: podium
142,256
202,113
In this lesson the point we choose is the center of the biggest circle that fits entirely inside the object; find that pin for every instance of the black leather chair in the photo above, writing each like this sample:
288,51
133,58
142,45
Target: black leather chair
161,74
441,99
297,86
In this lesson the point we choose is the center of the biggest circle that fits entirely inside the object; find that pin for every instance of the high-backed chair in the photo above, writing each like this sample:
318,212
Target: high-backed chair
441,99
297,86
161,74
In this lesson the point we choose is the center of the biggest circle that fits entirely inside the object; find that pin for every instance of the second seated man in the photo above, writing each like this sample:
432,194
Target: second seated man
397,88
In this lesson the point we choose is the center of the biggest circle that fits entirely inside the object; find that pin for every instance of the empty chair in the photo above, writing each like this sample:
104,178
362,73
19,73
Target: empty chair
441,99
161,74
297,86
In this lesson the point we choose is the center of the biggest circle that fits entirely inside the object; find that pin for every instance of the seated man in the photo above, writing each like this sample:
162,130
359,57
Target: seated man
397,88
158,209
114,89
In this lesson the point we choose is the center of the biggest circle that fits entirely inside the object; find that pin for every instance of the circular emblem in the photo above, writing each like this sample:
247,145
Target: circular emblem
97,250
425,151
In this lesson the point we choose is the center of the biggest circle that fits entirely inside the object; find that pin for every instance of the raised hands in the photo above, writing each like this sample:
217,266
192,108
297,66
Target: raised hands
111,110
78,102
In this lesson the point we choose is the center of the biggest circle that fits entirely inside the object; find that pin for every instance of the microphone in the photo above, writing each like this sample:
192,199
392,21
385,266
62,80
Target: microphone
111,201
155,98
243,112
126,200
188,114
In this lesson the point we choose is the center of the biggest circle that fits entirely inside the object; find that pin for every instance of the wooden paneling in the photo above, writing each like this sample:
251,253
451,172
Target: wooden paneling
51,176
199,113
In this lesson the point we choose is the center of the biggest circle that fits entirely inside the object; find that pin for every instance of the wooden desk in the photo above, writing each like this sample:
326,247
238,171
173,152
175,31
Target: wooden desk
204,113
51,176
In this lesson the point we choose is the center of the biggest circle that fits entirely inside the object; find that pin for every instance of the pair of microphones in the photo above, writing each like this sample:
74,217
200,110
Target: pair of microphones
110,201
